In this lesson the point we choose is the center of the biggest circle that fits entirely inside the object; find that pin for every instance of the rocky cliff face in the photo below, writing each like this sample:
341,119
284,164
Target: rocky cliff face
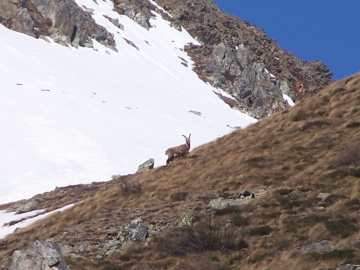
242,60
64,21
234,55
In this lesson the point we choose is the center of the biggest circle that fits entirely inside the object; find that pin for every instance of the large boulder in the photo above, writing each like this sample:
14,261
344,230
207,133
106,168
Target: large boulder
147,165
38,257
134,231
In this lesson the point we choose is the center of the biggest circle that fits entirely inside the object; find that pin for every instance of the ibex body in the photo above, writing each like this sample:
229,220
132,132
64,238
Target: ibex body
178,151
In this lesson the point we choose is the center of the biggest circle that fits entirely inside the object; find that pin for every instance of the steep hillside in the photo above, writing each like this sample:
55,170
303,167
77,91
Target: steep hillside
301,166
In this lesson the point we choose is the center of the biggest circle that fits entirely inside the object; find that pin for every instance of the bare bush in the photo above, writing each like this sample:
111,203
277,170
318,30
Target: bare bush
201,237
350,157
128,187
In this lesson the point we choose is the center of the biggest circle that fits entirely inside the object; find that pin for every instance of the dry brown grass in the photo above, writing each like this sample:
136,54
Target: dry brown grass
300,152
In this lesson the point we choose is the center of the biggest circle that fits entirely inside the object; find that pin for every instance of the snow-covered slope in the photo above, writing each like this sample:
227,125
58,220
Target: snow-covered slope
71,116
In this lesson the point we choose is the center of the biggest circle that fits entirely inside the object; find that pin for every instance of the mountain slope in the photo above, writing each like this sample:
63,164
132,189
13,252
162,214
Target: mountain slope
293,156
72,116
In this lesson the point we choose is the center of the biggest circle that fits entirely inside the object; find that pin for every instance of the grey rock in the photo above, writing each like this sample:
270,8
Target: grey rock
27,207
81,248
321,247
135,231
185,221
323,196
38,257
113,244
143,19
147,165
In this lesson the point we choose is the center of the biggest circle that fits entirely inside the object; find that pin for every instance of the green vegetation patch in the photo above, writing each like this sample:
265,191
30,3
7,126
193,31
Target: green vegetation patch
262,230
353,204
342,227
355,124
293,223
337,254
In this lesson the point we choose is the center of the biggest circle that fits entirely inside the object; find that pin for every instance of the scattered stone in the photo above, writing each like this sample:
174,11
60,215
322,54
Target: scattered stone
147,165
323,196
115,22
116,177
221,203
113,244
185,221
80,248
321,247
349,267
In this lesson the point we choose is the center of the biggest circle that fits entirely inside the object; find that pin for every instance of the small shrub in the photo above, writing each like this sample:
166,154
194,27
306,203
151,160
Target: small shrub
259,256
343,227
270,215
239,221
178,196
201,237
355,172
227,210
284,191
298,116
350,157
262,230
128,187
337,90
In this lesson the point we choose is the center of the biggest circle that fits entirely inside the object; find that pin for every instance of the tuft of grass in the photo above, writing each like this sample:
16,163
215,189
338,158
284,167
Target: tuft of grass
354,124
262,230
355,172
178,196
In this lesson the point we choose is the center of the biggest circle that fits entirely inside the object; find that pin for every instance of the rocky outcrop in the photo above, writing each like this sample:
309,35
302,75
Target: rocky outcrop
63,21
38,257
242,60
147,165
137,10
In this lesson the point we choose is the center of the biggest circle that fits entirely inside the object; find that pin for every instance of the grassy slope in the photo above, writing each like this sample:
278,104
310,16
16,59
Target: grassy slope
311,148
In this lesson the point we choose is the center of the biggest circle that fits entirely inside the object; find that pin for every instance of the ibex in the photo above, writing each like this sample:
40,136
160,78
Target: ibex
178,151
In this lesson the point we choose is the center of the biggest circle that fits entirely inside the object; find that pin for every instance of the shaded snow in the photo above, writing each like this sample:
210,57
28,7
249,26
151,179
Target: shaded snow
29,218
72,116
